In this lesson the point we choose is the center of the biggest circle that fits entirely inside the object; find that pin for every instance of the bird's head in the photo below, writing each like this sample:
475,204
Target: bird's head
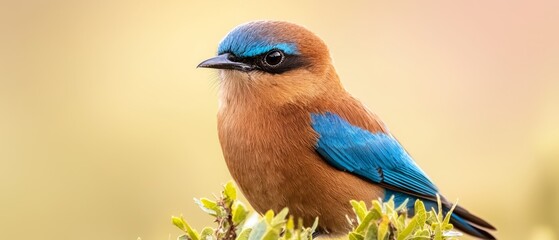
274,61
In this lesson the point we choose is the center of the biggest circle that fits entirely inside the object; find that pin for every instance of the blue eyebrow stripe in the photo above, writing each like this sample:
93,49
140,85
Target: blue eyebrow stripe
287,48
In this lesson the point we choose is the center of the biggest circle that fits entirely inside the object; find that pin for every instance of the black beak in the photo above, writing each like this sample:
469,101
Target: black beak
225,61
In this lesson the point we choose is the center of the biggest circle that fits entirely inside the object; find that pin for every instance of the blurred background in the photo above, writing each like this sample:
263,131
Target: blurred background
107,128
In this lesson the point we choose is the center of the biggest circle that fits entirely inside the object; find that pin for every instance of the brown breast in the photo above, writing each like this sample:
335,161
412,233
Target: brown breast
270,154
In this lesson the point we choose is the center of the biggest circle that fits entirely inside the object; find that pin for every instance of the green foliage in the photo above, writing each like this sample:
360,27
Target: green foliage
382,221
231,215
385,221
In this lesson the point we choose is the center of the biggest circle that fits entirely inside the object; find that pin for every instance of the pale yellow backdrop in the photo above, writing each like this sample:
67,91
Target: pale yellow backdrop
107,128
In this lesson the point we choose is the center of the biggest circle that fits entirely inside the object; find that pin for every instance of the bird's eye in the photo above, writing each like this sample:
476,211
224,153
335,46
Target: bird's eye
274,58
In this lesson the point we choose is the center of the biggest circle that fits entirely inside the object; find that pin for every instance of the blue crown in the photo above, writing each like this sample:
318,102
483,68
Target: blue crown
250,41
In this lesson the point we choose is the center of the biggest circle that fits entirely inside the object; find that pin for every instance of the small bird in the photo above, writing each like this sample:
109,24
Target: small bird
293,137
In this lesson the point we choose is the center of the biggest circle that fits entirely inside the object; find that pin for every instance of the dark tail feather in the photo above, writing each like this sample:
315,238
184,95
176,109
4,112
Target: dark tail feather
464,226
463,213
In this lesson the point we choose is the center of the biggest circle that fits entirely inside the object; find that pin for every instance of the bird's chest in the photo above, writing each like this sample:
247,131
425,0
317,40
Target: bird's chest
257,141
265,149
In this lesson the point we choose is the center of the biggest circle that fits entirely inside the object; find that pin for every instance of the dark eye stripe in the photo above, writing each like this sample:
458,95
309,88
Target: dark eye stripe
289,62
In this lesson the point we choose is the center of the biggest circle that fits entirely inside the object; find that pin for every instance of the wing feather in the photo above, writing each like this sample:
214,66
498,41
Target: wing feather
350,148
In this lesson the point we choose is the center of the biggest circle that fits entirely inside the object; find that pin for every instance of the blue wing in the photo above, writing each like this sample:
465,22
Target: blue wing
378,157
381,159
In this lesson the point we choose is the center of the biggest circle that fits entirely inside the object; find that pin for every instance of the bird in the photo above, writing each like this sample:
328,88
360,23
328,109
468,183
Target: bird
292,136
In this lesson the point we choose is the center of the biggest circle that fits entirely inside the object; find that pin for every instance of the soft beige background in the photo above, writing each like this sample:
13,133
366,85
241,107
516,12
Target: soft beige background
107,129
